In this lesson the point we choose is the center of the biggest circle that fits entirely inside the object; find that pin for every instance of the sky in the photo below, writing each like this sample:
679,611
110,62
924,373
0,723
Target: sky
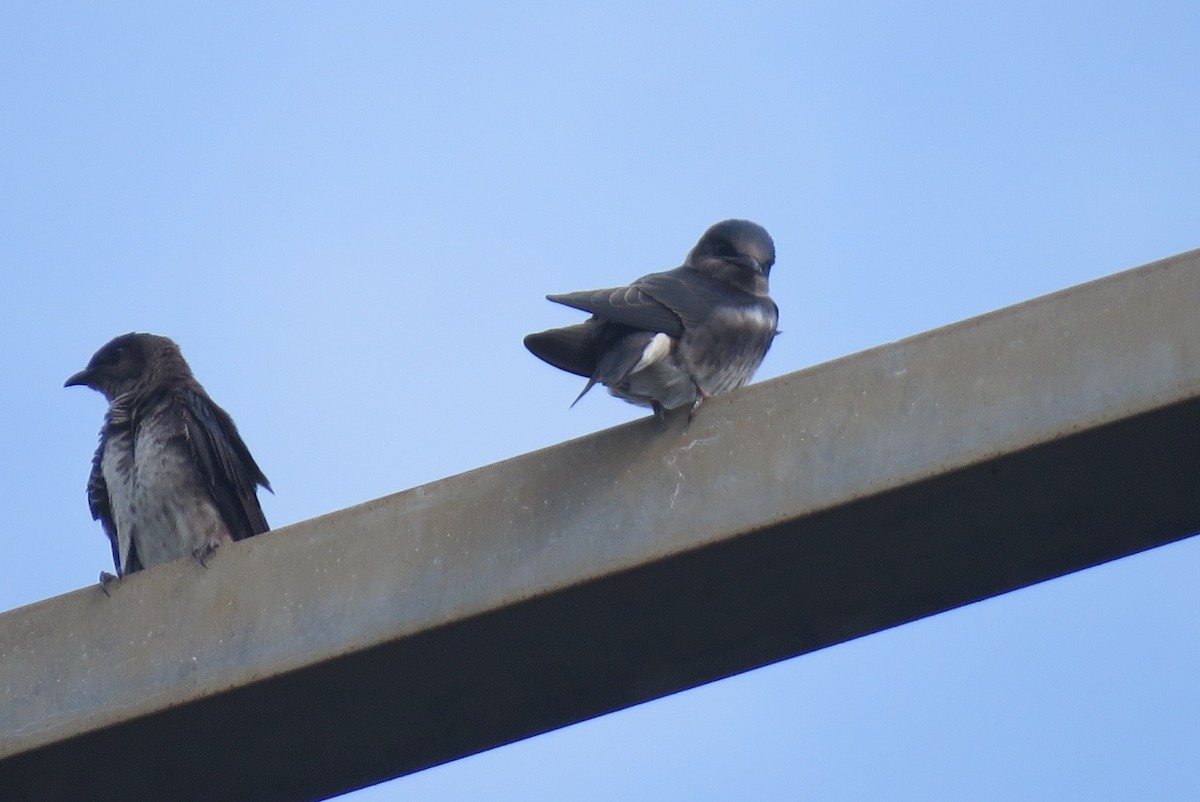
348,214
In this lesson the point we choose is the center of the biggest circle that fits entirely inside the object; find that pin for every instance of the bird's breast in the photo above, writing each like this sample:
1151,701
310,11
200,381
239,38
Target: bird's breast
724,354
159,501
116,464
753,319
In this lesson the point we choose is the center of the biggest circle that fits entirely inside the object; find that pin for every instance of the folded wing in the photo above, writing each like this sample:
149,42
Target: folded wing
225,462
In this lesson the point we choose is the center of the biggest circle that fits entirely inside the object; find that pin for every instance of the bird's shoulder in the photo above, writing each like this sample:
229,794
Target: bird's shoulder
695,297
213,426
114,434
97,488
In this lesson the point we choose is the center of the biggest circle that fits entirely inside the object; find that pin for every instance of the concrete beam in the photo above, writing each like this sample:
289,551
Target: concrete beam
639,561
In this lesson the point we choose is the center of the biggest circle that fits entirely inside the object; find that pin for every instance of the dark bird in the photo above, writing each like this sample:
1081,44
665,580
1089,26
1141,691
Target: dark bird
171,476
675,338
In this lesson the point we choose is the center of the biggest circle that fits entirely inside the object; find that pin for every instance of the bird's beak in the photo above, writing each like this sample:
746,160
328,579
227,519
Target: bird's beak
80,378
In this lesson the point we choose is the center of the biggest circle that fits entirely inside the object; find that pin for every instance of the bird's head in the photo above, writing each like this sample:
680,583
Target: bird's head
737,251
130,362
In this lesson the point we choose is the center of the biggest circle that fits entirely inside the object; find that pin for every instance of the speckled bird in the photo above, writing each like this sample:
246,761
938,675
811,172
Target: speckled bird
171,477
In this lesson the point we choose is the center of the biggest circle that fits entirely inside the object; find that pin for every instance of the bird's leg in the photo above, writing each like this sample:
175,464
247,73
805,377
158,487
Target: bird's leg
700,397
106,579
202,553
660,411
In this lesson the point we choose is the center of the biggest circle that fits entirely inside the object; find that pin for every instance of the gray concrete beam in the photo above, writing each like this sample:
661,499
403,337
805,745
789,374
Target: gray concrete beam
577,580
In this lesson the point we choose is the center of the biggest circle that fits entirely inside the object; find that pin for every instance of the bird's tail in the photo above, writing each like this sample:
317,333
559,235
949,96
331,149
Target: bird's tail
591,382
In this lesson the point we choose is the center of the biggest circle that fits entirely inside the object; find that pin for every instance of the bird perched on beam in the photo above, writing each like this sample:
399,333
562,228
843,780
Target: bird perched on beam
673,339
171,476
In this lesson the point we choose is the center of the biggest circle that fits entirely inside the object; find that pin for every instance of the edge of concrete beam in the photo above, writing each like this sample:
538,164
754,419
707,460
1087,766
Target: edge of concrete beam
1115,358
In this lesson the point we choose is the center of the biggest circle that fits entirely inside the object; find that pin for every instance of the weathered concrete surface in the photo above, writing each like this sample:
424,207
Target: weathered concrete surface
642,560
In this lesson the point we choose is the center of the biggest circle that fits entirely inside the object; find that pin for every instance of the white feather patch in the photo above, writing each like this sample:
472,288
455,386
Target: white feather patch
655,351
755,315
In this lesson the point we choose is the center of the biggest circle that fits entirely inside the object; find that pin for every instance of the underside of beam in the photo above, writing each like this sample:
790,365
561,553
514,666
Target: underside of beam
643,560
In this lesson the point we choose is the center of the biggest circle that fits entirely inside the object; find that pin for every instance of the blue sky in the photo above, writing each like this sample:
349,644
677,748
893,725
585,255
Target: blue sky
347,215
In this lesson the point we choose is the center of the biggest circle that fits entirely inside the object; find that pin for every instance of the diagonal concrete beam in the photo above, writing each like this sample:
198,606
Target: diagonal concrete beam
639,561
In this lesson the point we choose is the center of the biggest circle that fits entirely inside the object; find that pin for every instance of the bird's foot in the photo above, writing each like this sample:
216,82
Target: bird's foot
205,552
701,396
660,411
107,579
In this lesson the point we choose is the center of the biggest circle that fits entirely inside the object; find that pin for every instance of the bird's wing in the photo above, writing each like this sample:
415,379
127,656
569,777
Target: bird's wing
670,302
101,509
690,295
635,306
225,463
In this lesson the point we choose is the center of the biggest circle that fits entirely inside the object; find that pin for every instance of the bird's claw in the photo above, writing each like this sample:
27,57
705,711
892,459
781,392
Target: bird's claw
701,396
107,579
203,553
